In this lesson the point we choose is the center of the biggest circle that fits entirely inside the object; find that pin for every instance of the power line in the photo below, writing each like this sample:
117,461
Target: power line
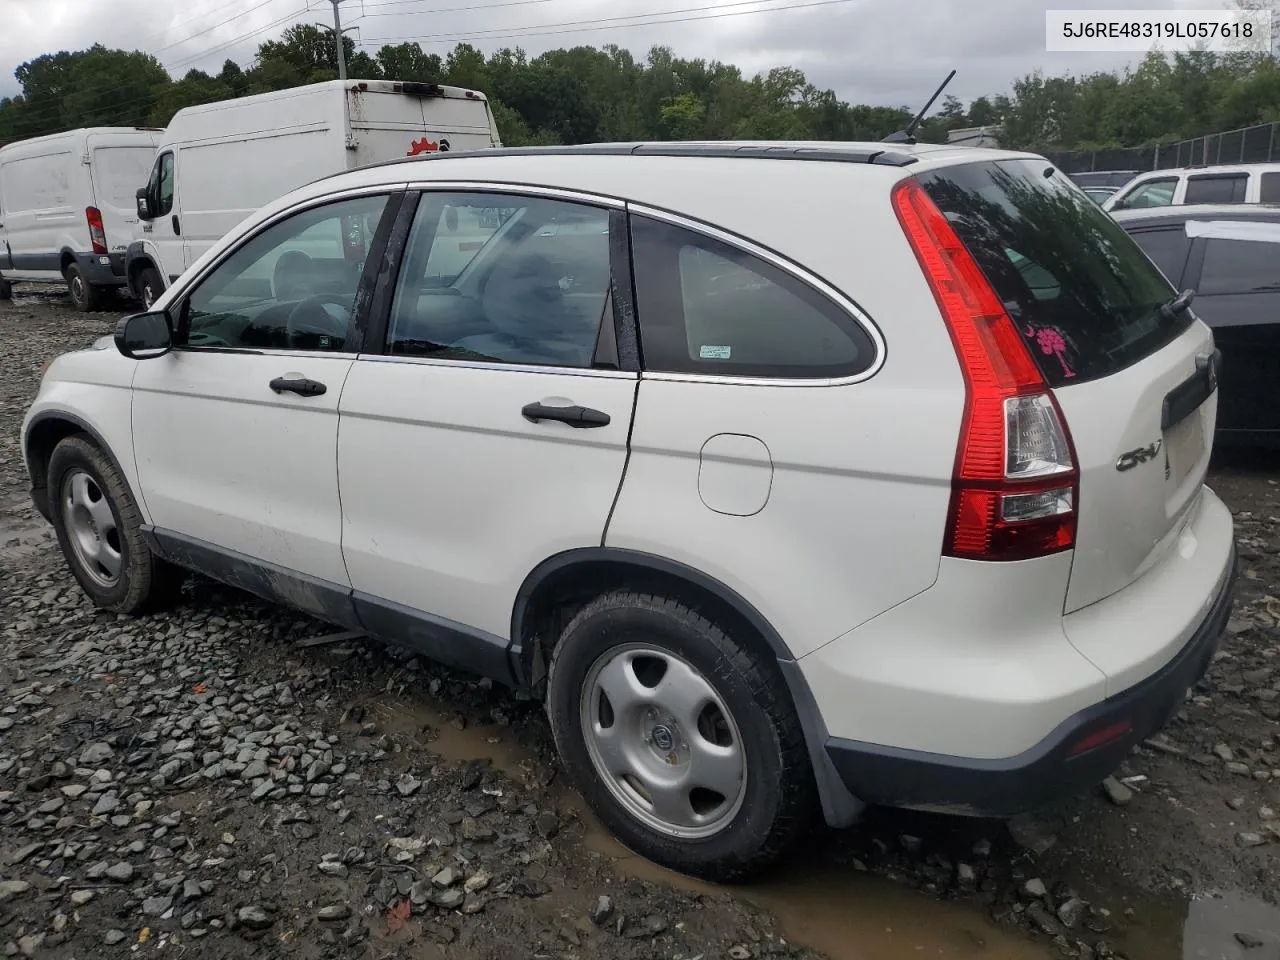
588,26
434,10
220,23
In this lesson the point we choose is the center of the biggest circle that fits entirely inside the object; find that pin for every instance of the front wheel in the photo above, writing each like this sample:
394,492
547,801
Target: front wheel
84,295
684,742
99,530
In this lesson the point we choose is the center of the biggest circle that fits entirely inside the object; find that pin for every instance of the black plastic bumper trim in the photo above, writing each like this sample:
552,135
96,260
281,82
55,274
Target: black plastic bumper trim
1045,772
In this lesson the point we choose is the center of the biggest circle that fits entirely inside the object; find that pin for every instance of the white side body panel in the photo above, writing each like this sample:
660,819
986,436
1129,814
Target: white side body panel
224,459
450,497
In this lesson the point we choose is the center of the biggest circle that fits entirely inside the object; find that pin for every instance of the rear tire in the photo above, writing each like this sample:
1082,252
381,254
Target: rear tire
150,287
84,295
99,530
6,289
700,764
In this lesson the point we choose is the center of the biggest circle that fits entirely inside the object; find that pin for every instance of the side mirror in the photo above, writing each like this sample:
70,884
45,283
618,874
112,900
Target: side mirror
145,335
144,207
1120,204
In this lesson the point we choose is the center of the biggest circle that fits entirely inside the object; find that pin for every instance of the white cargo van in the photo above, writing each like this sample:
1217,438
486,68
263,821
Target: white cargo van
220,162
67,212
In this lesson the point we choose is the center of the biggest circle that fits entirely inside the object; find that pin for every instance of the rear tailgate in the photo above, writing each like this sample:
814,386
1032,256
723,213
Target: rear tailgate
1136,384
392,120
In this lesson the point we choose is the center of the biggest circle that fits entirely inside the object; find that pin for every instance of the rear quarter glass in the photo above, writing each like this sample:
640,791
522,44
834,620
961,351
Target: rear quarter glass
1082,293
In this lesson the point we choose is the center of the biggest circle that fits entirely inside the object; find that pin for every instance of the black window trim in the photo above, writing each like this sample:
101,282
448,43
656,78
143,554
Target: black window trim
394,193
840,301
620,298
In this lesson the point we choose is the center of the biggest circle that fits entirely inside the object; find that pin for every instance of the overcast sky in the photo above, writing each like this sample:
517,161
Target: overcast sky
888,52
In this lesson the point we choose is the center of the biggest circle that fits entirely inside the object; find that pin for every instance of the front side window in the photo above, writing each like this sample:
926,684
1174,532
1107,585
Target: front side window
1217,189
710,308
291,287
503,278
1153,193
162,185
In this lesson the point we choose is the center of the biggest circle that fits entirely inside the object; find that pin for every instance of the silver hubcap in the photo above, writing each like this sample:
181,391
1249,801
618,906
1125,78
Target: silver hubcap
148,296
77,287
91,528
663,741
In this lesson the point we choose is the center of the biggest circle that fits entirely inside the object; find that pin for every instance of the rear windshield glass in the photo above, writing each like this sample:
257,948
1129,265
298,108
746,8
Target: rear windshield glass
1085,297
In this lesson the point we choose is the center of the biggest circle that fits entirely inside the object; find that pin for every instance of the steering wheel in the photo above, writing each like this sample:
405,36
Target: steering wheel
313,318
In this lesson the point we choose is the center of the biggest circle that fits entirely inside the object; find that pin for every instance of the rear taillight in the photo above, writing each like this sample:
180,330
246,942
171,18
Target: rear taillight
1015,488
97,233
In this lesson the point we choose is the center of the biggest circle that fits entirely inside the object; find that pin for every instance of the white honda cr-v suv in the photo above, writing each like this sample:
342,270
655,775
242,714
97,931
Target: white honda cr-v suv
788,474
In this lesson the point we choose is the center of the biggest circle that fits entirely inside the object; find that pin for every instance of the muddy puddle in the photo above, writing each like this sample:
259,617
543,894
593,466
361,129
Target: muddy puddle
852,915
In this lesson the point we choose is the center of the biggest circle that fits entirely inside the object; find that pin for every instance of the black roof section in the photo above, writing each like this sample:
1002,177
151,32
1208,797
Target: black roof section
874,155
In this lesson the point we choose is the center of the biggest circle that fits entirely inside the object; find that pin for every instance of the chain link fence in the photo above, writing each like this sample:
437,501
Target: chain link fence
1257,144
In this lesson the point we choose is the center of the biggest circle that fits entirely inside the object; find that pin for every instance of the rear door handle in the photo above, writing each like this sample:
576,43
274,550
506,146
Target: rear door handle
574,416
299,385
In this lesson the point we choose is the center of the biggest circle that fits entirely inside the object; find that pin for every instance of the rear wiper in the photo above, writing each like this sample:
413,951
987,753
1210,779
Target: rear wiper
1171,308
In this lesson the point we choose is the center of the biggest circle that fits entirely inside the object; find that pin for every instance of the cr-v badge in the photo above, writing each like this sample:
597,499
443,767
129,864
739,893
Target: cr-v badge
1132,458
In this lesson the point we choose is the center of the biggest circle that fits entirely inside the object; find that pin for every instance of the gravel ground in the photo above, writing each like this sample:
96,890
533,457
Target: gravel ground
208,783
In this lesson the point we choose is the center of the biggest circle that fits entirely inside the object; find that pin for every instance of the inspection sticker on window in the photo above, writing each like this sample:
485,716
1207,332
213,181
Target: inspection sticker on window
710,352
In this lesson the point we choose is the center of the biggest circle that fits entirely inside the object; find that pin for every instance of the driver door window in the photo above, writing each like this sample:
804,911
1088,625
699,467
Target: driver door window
292,287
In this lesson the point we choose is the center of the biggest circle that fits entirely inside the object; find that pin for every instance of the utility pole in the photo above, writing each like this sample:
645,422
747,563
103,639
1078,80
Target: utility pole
337,38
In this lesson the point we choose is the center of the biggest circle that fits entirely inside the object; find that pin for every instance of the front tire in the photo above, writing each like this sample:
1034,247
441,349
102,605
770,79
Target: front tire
683,742
99,530
150,286
85,297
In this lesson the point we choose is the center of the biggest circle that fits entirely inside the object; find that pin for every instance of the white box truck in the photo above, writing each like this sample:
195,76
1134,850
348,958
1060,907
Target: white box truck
67,211
219,162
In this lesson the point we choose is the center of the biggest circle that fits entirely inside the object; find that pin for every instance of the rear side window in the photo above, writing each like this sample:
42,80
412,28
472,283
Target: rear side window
710,308
1168,248
1084,296
1269,191
1240,266
1216,189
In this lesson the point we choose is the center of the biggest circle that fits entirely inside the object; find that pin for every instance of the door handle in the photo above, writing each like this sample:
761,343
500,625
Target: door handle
574,416
177,227
299,385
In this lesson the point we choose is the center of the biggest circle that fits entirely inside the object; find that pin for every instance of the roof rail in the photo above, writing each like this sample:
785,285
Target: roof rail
833,154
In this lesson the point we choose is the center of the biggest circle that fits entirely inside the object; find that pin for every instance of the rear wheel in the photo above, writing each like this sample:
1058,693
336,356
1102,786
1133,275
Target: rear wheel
685,743
99,530
6,289
150,286
84,295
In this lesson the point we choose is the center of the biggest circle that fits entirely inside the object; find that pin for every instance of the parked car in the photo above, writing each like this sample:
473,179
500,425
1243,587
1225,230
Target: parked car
1238,183
1230,255
773,515
67,208
275,142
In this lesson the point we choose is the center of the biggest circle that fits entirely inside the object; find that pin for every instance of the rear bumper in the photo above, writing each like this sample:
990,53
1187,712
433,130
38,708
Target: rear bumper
103,270
1048,770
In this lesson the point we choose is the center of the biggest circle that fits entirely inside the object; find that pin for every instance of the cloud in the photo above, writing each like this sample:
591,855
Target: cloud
890,52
